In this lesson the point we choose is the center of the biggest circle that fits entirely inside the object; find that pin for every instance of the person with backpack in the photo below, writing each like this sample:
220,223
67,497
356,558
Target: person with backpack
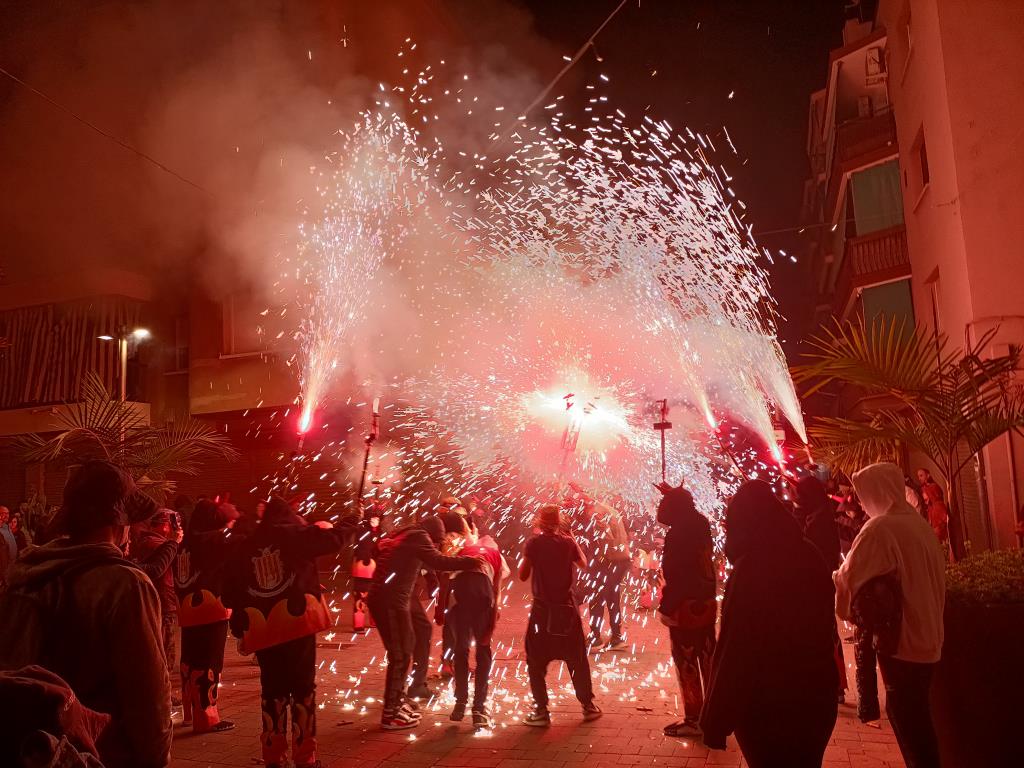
199,583
89,615
273,590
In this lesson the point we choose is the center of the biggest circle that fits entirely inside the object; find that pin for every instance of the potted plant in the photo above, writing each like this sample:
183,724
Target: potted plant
948,404
977,699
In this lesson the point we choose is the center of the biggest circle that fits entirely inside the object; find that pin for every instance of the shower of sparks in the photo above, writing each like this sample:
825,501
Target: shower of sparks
554,284
520,301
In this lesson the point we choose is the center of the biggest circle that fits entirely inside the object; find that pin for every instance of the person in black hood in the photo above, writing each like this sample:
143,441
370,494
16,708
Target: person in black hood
688,605
400,556
773,678
817,514
202,615
277,609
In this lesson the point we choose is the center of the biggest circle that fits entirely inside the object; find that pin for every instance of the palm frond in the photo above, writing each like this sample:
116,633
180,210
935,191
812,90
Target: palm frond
886,358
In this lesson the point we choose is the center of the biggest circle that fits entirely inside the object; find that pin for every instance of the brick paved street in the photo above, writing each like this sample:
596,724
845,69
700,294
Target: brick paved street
636,690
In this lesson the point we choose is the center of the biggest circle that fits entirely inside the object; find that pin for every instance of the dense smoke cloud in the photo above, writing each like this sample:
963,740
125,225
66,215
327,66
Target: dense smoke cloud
239,97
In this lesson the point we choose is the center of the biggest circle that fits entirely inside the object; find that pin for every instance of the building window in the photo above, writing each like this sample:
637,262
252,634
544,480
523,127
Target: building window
922,162
917,172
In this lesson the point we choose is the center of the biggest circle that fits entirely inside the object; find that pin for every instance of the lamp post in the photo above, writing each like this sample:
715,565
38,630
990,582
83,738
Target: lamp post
139,334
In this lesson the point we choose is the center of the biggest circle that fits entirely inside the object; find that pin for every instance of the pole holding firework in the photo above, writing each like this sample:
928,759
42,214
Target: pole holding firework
663,426
371,438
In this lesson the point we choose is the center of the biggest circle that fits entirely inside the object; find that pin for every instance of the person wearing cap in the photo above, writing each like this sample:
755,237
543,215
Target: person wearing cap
555,630
202,615
154,550
273,590
400,556
88,614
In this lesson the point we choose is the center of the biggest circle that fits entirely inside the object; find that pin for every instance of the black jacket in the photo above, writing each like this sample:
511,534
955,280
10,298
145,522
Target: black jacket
775,655
400,556
154,555
686,563
273,587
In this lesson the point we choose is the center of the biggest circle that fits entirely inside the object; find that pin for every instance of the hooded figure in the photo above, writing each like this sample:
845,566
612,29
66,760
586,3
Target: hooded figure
688,604
773,681
202,615
78,608
819,519
399,615
897,542
273,590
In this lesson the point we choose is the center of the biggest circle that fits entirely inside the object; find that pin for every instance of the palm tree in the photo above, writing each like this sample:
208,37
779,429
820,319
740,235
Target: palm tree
945,403
101,426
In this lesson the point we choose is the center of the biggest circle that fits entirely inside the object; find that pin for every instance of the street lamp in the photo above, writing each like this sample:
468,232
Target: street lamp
138,334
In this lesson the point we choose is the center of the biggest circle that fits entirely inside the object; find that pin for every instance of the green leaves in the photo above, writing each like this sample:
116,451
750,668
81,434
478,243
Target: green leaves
927,397
102,427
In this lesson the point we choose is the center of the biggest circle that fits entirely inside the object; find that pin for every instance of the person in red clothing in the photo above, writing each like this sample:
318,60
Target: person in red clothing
199,581
938,513
154,550
273,589
473,614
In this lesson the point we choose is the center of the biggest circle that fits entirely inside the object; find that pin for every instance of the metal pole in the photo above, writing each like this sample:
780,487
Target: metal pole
370,438
122,351
663,426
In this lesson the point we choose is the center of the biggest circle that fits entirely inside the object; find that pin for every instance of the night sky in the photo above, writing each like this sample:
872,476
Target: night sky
770,53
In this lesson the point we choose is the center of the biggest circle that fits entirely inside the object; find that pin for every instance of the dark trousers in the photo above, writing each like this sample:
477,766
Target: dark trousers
202,659
288,681
448,640
607,596
422,631
793,737
396,632
169,627
471,621
692,650
906,703
868,709
555,633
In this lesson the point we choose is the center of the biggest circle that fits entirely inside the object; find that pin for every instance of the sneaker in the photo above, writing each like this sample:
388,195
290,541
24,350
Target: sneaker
458,713
591,712
539,718
421,691
684,729
399,720
411,709
594,641
616,644
482,720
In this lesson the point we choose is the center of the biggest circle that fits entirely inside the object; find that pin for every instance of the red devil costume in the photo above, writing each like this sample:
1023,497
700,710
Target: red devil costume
199,581
278,605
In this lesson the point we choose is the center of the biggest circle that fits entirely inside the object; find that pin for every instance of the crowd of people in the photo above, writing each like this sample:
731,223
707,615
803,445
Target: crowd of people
126,588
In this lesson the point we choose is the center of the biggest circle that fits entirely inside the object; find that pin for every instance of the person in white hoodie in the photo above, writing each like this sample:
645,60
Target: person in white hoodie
897,541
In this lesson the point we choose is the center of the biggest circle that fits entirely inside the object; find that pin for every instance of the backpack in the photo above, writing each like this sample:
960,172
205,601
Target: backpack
38,610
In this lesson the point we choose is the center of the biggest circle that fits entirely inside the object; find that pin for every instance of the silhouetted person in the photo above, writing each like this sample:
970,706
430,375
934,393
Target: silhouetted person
400,556
202,615
773,681
688,605
555,630
273,591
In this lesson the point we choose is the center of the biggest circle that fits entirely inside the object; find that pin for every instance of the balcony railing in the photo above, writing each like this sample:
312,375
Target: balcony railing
858,143
874,259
